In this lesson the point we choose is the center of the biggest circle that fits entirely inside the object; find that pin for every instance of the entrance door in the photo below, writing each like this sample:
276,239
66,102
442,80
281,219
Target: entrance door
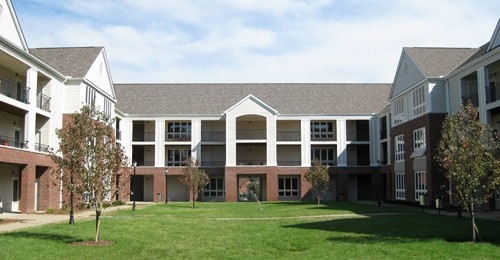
15,194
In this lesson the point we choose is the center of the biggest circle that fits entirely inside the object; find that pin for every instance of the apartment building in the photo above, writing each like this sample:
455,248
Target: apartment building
256,141
39,89
265,135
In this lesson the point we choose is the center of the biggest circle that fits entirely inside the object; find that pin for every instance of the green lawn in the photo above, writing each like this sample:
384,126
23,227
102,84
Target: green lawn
254,231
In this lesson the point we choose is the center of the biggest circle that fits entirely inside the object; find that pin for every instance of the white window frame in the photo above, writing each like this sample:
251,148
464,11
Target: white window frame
178,131
420,184
398,111
90,95
327,156
400,186
107,106
183,154
418,138
288,186
215,188
399,148
322,130
418,96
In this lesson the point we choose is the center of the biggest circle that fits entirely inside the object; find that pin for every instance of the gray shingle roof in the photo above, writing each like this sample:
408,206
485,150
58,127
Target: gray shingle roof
70,61
436,62
287,99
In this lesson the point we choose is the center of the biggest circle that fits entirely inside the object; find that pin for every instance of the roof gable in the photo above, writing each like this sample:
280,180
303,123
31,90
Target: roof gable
73,62
407,74
495,38
253,104
99,75
9,25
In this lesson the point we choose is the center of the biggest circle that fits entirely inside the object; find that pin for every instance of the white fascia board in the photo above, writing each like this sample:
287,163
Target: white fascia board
257,101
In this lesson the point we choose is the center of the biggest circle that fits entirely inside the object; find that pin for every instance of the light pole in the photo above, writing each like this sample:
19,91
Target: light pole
166,196
133,186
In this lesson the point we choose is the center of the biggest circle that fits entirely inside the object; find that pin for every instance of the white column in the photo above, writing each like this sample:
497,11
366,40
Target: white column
305,142
30,118
230,140
160,143
482,83
374,141
196,139
127,125
271,140
341,143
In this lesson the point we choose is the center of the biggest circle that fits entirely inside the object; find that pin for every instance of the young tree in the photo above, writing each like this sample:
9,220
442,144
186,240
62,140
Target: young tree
466,152
318,176
88,159
194,178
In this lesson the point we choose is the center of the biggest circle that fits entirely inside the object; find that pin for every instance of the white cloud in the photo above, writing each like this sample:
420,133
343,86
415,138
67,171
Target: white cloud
256,40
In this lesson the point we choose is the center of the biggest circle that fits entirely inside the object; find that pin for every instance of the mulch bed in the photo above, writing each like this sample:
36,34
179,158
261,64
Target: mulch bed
6,221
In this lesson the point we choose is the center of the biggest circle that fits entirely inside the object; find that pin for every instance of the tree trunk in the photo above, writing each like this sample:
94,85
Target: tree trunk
473,220
97,224
318,199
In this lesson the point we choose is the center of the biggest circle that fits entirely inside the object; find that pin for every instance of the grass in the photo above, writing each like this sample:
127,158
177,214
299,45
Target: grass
252,231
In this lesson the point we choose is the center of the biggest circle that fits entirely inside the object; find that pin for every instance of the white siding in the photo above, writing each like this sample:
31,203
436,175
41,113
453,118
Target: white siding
438,98
407,75
99,75
8,25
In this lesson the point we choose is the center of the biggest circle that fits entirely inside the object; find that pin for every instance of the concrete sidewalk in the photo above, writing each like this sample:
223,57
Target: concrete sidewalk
22,221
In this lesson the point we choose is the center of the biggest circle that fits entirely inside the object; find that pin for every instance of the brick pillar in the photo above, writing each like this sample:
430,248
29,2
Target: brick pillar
272,184
231,184
27,189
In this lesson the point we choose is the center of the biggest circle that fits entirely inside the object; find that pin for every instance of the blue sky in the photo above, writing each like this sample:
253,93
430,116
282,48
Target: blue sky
229,41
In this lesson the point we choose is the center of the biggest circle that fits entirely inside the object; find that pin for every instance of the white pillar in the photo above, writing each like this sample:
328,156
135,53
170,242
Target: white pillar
127,126
482,83
341,143
196,139
160,143
271,140
230,140
374,141
30,118
305,142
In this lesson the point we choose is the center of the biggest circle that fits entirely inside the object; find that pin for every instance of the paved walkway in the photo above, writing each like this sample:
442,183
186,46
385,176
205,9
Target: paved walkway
37,219
22,221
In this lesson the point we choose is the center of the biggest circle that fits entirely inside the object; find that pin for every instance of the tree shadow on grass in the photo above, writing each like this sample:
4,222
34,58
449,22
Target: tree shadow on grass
403,228
43,236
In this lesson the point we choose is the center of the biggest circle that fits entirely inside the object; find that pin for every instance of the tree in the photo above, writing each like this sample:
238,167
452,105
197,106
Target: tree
318,176
466,152
194,178
88,159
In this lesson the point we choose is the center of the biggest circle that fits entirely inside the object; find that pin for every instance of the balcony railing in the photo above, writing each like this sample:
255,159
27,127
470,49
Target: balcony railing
493,92
169,136
13,90
118,134
251,162
43,102
247,134
473,97
288,163
12,142
288,135
213,136
143,137
42,148
213,163
323,136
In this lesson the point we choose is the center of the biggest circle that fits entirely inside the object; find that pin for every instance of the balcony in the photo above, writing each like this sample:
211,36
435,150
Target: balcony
173,136
13,90
213,136
41,148
250,134
288,135
12,142
493,92
323,136
143,136
43,102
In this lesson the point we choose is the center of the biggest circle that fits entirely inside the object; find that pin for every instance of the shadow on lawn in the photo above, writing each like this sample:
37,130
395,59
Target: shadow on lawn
403,228
44,236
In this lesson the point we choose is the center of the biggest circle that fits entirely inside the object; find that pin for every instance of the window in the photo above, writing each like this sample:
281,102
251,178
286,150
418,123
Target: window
399,112
383,127
215,188
179,131
399,149
418,143
400,186
420,186
418,100
288,186
328,156
176,157
90,95
322,130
